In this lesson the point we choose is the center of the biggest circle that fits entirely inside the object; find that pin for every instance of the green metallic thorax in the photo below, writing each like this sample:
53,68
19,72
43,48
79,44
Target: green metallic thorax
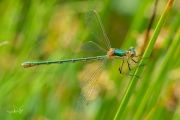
118,52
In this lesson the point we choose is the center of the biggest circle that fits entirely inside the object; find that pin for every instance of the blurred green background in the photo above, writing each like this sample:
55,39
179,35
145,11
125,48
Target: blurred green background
39,30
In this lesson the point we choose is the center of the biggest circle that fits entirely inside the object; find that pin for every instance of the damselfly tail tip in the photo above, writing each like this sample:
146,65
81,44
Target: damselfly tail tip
26,64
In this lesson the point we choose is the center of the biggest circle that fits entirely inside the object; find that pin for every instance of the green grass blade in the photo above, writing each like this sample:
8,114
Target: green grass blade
147,53
153,81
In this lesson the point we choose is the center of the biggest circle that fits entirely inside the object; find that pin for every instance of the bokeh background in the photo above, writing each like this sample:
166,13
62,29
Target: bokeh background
38,30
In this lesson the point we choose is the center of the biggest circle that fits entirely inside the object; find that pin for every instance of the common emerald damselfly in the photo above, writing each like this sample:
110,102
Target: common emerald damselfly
91,76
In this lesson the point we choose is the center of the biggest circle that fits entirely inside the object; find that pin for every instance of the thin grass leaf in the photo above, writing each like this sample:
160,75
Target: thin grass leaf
139,71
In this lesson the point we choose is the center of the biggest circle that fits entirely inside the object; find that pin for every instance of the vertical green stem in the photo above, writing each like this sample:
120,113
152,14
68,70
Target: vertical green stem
147,53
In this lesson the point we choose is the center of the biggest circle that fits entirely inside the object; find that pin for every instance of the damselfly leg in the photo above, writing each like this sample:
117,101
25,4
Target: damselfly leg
129,65
120,68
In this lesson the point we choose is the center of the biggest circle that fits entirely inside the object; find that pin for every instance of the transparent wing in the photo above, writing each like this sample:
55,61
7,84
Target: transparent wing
88,83
92,47
95,27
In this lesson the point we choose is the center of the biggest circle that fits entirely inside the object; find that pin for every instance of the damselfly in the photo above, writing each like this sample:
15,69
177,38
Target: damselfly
91,76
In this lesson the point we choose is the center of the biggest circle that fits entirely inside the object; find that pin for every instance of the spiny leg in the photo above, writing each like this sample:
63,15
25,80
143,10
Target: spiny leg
135,61
129,65
120,69
139,60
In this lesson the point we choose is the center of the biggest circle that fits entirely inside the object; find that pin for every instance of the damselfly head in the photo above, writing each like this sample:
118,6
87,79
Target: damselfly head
131,52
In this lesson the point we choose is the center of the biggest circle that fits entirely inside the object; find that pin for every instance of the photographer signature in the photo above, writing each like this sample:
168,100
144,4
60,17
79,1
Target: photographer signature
16,110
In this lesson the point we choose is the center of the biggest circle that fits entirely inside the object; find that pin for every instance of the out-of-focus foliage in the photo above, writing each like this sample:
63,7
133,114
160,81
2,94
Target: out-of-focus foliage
50,30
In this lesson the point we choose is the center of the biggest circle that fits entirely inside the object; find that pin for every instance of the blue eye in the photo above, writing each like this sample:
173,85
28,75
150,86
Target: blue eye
131,48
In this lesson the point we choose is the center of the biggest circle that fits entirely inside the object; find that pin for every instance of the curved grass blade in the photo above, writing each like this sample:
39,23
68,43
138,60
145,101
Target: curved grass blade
139,70
88,83
95,27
